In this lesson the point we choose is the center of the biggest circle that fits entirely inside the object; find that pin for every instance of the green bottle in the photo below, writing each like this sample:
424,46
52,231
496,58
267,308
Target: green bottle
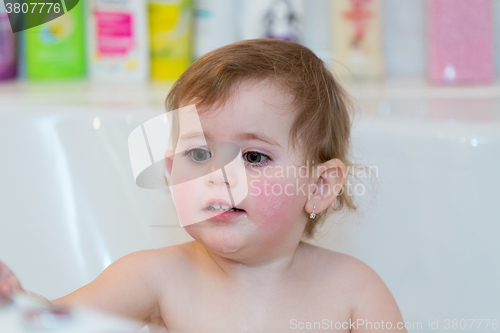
56,49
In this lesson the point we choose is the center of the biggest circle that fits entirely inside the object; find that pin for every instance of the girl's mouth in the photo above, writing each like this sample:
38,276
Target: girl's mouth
221,206
224,216
211,208
223,212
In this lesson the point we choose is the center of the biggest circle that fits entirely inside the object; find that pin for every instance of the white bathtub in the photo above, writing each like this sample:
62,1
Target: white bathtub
70,206
432,230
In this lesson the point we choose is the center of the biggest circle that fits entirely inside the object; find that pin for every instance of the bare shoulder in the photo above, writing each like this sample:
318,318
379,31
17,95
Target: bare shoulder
356,271
157,267
369,297
341,263
180,256
176,255
148,265
131,286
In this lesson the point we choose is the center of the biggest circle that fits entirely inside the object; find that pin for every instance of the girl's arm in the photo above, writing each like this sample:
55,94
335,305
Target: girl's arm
128,287
375,308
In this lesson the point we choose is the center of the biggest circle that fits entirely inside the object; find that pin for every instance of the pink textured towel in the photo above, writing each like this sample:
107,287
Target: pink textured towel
461,41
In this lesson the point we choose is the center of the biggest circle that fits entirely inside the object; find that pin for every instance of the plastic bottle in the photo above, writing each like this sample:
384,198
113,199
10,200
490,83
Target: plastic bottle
357,38
118,47
317,32
281,19
56,49
461,41
215,25
8,66
171,37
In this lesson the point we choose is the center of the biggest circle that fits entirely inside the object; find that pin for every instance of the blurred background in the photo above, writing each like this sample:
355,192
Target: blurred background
425,78
452,41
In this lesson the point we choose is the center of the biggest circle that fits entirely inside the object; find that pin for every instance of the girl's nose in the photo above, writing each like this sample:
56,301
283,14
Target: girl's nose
220,177
222,161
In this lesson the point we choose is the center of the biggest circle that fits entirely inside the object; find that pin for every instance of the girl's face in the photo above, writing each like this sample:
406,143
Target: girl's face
257,118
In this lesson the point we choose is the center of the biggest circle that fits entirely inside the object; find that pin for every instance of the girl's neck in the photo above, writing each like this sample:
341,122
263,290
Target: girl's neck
264,265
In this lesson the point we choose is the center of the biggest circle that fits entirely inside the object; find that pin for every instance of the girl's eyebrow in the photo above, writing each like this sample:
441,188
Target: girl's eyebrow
259,136
248,136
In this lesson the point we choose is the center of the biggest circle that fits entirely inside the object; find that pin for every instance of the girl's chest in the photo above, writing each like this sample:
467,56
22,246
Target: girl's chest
221,309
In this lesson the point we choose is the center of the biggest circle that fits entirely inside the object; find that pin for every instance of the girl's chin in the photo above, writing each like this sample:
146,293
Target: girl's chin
221,247
219,239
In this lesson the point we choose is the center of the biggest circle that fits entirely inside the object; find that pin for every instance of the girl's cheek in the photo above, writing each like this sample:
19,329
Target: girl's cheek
187,200
273,208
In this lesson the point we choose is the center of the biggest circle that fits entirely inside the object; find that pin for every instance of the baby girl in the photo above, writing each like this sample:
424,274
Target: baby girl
248,268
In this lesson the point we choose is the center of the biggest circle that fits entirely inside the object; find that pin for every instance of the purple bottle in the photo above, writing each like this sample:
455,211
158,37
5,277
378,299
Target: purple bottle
8,65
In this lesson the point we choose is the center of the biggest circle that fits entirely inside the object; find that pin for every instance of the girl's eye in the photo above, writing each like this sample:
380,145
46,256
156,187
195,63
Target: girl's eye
252,157
198,155
256,158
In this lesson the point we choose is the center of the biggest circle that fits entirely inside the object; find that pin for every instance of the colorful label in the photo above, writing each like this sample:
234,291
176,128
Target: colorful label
358,38
56,49
170,27
114,33
359,14
57,31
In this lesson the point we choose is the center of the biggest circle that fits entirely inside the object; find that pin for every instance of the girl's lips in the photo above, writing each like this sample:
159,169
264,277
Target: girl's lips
223,216
218,201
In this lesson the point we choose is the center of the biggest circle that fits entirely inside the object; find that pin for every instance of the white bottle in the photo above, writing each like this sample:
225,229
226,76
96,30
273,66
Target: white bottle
317,32
281,19
118,45
215,25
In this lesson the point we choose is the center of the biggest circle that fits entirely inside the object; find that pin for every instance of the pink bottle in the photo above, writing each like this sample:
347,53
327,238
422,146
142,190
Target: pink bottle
8,65
461,41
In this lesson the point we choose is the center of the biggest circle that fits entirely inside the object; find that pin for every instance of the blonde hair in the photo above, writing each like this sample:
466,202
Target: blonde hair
322,126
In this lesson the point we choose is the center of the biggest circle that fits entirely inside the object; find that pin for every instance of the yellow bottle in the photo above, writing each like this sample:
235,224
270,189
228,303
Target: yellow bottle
171,37
357,39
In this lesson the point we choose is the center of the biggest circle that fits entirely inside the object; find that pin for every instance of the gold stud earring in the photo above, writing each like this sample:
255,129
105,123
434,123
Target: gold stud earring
312,214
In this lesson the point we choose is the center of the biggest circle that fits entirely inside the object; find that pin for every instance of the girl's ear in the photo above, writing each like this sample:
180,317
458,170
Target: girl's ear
328,179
